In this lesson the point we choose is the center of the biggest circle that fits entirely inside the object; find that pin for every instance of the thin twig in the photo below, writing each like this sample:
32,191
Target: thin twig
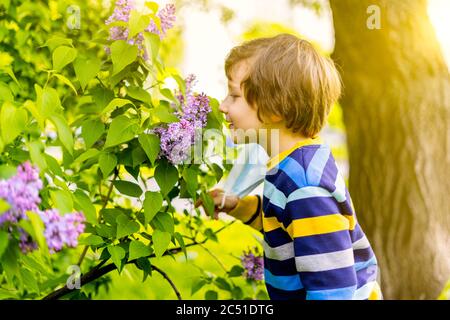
214,257
168,280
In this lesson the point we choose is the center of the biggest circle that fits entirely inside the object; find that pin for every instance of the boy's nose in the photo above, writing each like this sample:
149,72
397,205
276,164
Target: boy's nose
222,107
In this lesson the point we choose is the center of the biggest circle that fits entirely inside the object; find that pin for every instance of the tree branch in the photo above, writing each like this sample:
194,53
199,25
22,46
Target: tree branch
98,272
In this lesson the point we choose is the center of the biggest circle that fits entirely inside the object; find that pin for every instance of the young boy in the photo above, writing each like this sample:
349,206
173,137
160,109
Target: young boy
314,247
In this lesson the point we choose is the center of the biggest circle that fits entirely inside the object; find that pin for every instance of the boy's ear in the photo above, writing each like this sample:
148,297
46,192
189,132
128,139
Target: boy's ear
274,118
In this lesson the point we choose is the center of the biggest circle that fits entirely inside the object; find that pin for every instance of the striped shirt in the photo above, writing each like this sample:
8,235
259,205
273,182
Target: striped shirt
313,245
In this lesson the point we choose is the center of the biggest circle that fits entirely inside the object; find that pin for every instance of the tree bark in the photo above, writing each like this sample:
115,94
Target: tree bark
396,106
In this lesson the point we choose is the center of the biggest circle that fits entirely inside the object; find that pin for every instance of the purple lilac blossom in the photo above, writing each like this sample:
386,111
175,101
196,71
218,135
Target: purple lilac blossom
178,137
253,264
22,194
62,230
122,13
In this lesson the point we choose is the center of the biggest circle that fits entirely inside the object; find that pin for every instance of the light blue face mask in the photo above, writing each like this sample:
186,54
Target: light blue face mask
248,171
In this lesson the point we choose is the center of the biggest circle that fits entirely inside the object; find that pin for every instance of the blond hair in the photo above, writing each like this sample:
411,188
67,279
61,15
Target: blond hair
288,78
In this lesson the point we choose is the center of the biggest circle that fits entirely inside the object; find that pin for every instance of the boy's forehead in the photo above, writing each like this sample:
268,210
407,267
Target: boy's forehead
237,73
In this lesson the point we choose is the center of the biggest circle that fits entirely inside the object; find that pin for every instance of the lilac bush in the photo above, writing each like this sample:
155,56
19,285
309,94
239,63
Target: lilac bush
22,194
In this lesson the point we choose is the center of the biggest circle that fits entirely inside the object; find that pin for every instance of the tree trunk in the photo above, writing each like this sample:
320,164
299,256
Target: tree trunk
397,112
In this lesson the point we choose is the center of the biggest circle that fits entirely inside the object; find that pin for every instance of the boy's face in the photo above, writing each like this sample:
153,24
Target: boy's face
238,112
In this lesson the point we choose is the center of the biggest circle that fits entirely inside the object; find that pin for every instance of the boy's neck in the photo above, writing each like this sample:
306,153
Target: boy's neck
286,140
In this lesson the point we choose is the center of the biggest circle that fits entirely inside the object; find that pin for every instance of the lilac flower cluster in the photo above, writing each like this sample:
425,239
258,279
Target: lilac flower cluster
178,137
253,264
22,194
122,12
62,230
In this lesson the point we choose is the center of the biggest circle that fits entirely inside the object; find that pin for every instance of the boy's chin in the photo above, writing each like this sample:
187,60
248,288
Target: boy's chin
240,136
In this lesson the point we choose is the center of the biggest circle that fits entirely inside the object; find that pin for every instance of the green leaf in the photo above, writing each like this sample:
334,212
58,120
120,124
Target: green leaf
62,56
107,162
12,121
92,240
198,285
151,145
152,204
4,205
152,43
144,265
152,6
211,295
110,215
180,240
138,156
53,165
64,132
29,280
35,263
105,231
86,68
210,234
101,97
5,93
36,154
91,153
208,203
7,171
137,23
163,114
128,188
222,284
84,204
38,228
47,102
164,222
161,241
117,254
62,200
166,175
4,236
125,226
10,72
122,54
91,131
116,103
236,271
190,177
138,250
139,94
122,129
66,81
56,41
237,293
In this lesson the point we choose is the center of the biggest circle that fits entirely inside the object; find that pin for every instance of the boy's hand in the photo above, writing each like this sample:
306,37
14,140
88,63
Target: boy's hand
230,202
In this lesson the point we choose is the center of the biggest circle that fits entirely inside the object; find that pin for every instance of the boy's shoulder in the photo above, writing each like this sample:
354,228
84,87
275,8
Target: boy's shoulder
307,166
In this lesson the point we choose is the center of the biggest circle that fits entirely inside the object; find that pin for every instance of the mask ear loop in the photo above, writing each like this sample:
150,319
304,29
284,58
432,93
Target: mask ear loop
222,204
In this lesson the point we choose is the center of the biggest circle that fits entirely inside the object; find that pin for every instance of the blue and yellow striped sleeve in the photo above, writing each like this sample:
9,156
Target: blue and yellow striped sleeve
249,211
322,244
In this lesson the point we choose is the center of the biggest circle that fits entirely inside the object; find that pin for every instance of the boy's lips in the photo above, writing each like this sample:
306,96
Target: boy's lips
230,123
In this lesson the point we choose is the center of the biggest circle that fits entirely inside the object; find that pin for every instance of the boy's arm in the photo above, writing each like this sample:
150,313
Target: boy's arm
248,210
322,244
